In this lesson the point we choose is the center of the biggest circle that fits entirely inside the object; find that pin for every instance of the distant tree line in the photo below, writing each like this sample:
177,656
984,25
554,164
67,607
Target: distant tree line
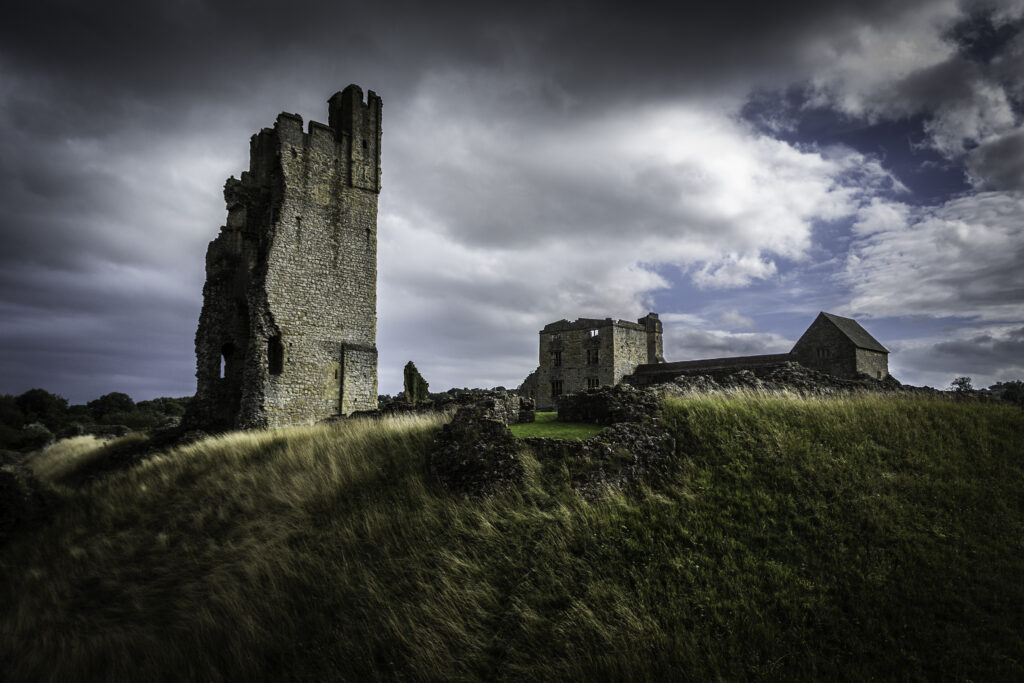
36,417
1011,392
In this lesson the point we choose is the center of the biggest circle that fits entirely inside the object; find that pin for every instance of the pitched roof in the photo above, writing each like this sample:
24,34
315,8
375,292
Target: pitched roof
857,334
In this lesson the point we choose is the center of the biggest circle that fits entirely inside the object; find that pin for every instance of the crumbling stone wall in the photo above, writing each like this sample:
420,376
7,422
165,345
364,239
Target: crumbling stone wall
647,375
788,376
610,405
287,334
415,387
475,454
503,406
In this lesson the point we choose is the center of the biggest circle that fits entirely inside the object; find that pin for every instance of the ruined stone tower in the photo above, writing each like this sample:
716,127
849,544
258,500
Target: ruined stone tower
287,334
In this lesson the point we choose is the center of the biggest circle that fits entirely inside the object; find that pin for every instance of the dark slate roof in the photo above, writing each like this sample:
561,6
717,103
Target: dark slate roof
857,334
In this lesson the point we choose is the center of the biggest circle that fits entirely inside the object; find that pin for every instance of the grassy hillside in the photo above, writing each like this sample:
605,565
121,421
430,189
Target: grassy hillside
790,539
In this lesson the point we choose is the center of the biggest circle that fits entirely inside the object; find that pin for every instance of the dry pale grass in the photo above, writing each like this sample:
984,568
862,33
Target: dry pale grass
59,459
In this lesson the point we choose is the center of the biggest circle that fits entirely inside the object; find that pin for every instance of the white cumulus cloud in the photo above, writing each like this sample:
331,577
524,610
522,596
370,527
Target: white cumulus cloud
960,259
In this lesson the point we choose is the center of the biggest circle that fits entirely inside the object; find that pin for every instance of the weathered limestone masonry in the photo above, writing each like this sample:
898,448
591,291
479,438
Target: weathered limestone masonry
287,334
590,353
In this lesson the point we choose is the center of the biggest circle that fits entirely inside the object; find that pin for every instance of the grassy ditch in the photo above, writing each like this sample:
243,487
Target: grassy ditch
547,425
790,539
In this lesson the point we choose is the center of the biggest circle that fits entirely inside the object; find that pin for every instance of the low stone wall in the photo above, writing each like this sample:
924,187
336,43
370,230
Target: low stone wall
505,406
647,375
620,455
776,377
609,405
476,455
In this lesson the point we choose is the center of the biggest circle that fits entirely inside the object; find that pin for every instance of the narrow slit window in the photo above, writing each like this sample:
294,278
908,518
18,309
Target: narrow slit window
556,387
275,355
226,352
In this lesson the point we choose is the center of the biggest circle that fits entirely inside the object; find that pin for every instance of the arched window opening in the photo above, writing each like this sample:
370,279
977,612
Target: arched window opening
275,355
226,352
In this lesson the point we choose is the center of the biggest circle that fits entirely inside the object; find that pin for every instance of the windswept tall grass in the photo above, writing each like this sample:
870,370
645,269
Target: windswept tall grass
790,539
62,459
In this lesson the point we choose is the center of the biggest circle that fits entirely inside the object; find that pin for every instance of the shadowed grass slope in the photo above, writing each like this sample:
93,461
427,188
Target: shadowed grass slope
790,539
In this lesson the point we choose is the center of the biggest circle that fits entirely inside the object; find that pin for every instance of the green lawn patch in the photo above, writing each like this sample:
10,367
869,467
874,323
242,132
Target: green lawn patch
547,425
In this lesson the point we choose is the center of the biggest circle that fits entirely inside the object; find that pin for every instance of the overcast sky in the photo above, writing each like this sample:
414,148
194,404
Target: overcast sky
736,168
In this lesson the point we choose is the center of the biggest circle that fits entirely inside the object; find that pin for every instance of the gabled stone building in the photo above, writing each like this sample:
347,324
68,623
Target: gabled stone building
588,353
287,333
841,347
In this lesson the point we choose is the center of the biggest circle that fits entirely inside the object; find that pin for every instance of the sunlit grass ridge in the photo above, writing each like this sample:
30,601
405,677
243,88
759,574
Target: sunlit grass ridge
853,538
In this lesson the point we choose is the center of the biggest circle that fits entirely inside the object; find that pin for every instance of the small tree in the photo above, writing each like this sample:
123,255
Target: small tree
35,436
10,413
415,385
961,385
39,405
114,402
1012,391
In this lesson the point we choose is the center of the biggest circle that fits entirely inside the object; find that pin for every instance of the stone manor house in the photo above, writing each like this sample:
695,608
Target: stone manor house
590,353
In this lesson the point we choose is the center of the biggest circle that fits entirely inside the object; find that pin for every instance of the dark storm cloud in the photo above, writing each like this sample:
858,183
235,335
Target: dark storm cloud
984,351
156,49
120,120
985,33
998,164
950,81
988,356
85,353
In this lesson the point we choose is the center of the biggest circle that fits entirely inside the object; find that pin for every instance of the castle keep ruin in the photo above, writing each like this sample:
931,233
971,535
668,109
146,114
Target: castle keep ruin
287,333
